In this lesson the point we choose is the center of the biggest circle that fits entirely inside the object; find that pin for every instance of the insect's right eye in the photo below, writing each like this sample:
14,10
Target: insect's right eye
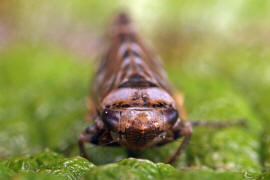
171,115
111,118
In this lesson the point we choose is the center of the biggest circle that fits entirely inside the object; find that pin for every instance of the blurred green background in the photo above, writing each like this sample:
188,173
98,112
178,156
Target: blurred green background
216,52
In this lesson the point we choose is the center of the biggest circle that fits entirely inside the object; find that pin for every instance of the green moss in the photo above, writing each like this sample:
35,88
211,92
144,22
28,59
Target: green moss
70,168
34,176
218,57
41,119
5,172
31,163
46,163
132,169
263,176
209,99
205,175
45,94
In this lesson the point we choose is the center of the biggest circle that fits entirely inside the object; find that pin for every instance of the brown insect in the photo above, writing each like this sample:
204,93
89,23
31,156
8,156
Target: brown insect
132,102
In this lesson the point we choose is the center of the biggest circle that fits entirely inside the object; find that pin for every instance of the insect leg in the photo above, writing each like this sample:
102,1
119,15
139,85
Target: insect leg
216,124
185,131
88,136
96,134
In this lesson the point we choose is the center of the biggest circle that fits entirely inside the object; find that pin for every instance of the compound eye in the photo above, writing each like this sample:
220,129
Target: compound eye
171,115
111,118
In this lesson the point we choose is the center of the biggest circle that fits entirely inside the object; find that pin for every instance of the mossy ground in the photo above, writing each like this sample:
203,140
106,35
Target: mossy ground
216,53
43,106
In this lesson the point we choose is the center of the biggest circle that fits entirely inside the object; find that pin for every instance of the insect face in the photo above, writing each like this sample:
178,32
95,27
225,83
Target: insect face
139,127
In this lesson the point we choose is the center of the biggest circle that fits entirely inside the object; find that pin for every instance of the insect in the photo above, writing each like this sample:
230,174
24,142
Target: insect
132,102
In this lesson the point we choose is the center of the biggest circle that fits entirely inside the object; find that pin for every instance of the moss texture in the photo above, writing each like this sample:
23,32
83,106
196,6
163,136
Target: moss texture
215,52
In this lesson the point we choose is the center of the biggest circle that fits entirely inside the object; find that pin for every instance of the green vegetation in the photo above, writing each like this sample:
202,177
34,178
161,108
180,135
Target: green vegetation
216,53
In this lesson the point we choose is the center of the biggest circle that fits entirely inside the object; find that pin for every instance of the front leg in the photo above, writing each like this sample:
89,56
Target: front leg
96,134
90,135
184,130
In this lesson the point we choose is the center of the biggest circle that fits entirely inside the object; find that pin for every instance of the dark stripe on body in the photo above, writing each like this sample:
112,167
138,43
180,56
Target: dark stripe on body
137,81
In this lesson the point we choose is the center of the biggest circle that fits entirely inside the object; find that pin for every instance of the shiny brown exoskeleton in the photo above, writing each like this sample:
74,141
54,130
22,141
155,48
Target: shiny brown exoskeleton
132,102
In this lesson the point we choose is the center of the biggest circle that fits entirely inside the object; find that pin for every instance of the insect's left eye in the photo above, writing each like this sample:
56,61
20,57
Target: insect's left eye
171,115
111,117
